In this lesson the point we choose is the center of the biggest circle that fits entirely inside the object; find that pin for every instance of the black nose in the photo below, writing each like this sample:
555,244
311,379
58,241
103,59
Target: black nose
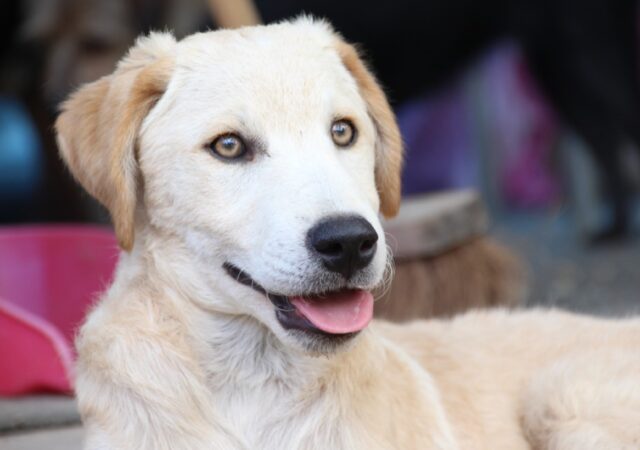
344,244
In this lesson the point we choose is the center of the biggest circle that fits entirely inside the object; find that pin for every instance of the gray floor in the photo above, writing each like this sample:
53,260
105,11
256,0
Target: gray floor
567,273
44,411
46,422
63,438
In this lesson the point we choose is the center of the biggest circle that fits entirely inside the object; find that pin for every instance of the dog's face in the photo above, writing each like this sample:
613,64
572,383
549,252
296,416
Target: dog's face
268,153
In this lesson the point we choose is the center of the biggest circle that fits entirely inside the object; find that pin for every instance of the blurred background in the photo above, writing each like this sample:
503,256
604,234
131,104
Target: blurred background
532,104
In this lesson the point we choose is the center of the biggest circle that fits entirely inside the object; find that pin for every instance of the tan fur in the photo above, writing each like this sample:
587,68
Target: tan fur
98,128
178,355
389,145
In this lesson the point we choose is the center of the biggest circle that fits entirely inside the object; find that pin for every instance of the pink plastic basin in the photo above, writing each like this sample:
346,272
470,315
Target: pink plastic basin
49,276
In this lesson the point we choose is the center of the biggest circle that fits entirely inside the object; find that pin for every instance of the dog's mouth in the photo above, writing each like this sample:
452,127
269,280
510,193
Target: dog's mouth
340,313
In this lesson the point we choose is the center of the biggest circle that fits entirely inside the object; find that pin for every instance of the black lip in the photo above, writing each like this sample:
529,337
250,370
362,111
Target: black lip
286,313
242,277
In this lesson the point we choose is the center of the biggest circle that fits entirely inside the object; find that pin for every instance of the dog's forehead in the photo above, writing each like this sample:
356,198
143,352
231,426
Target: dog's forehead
288,68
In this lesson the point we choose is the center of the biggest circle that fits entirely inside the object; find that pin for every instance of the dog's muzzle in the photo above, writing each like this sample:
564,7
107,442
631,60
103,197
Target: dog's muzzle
336,314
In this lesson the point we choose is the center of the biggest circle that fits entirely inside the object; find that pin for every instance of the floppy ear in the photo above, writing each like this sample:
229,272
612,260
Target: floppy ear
389,147
99,124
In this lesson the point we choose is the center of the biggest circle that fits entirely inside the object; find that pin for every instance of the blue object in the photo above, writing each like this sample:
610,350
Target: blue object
21,158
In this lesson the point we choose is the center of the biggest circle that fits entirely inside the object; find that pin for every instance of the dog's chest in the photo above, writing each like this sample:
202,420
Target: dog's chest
272,417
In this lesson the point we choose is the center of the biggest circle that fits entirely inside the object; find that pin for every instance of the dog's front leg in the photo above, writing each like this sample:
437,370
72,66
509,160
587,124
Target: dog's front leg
139,386
122,419
98,439
125,418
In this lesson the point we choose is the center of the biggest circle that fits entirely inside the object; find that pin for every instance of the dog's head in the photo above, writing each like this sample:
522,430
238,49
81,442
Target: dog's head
266,152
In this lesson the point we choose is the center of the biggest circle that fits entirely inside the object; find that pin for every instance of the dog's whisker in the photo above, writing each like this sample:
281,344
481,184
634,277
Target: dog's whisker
390,237
384,286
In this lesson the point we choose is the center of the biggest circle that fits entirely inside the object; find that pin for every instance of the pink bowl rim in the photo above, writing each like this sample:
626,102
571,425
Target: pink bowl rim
55,229
60,344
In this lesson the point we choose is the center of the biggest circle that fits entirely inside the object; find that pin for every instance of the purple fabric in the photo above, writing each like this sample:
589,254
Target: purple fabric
442,134
440,153
524,132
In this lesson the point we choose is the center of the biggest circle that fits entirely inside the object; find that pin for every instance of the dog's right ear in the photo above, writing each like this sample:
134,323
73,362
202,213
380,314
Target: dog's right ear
389,147
98,128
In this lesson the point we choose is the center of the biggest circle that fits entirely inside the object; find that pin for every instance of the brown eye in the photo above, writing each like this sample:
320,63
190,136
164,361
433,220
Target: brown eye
343,133
228,146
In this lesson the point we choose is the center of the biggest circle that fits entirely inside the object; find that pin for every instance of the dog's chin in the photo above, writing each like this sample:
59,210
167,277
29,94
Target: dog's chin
321,323
318,344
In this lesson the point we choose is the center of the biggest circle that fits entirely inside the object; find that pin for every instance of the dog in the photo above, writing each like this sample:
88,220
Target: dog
245,171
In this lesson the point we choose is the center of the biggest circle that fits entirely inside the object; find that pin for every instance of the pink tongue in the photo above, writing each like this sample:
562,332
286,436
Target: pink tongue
339,313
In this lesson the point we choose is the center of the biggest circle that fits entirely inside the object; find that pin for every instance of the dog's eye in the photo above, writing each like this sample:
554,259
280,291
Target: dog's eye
343,133
228,146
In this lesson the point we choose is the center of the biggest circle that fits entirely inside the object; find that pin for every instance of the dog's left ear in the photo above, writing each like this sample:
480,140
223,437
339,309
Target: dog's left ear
98,128
389,147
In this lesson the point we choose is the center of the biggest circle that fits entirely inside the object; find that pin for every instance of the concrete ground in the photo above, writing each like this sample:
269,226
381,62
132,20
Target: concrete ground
563,273
45,422
567,273
62,438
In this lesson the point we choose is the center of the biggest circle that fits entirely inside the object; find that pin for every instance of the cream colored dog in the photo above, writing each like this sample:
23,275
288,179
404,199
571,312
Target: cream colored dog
244,171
